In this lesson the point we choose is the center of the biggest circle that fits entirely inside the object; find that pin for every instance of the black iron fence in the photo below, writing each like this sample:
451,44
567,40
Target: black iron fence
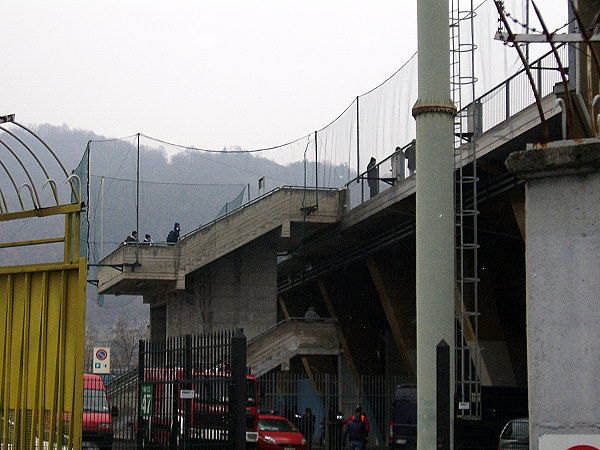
187,392
332,400
182,395
165,408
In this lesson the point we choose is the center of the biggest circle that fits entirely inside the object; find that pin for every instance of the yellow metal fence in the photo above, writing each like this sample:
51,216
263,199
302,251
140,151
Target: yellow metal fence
42,337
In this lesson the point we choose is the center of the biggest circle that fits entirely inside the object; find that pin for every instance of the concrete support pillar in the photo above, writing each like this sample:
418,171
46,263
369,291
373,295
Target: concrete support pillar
562,220
239,290
434,112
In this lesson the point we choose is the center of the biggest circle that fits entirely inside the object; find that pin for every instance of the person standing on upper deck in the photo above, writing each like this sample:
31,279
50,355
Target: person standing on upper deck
373,177
173,236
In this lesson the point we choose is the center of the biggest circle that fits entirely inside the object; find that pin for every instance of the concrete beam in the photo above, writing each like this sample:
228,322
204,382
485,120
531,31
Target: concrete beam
303,359
342,338
517,202
388,307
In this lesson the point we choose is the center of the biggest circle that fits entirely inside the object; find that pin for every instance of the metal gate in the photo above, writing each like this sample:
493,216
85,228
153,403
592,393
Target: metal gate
332,400
42,337
194,392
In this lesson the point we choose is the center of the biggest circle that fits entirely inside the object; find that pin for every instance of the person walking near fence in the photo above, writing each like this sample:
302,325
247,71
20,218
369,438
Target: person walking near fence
307,426
363,418
356,433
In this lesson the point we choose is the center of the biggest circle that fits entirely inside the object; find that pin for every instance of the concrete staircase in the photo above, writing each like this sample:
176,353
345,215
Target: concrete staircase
148,269
295,337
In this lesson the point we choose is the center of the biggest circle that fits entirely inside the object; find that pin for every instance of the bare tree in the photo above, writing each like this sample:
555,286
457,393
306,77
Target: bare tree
124,346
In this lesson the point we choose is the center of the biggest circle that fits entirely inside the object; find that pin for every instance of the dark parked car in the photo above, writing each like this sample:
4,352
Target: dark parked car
515,435
498,403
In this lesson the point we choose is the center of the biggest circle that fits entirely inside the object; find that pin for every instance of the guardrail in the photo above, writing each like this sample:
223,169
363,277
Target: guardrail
514,94
495,106
254,200
292,319
390,171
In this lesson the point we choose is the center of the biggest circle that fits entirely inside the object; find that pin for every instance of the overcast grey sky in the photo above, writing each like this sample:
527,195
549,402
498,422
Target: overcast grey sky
208,74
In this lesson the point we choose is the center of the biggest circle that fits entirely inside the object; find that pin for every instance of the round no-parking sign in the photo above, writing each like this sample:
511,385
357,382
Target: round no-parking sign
101,360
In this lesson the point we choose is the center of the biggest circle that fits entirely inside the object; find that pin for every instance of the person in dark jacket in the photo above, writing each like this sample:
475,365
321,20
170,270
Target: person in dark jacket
356,433
307,426
173,236
132,238
373,177
410,155
362,416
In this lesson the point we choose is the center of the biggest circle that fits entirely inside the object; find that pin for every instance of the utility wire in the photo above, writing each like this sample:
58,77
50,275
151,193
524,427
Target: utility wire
186,147
169,183
112,139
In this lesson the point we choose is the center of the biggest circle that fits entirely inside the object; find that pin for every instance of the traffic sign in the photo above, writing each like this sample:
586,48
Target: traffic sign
101,360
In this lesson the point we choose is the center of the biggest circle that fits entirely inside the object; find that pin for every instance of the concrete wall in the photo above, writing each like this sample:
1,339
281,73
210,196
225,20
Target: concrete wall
238,290
563,286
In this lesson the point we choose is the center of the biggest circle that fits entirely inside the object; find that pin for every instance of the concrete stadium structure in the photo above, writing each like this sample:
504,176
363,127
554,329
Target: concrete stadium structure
270,260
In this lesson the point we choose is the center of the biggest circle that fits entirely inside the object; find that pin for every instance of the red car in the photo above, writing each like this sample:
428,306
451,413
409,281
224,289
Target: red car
278,433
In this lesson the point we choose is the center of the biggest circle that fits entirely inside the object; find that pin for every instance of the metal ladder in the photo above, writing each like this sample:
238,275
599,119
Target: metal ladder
467,126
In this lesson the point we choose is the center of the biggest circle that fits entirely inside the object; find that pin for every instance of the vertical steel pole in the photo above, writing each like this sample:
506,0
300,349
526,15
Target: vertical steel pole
101,218
141,424
527,29
238,379
187,406
358,171
434,113
507,100
357,138
137,201
316,172
89,177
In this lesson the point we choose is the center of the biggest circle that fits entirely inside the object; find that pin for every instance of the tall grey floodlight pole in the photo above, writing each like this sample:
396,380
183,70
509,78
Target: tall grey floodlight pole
434,113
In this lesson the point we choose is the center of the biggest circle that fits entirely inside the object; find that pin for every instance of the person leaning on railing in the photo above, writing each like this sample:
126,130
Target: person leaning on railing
132,238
